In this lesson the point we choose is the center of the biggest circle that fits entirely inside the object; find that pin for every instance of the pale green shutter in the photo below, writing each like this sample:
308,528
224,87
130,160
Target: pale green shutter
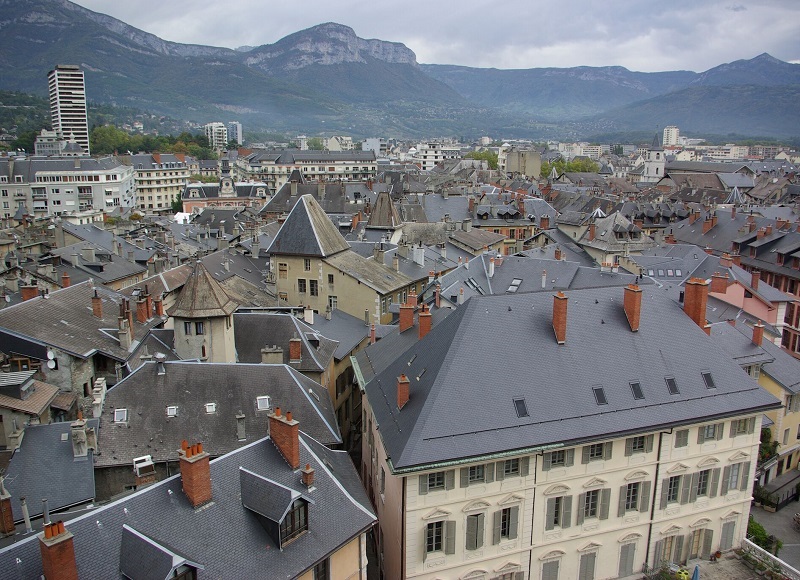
550,570
712,491
496,527
644,496
677,554
449,537
423,484
480,526
500,472
707,537
726,475
566,511
581,509
450,479
513,523
686,488
751,425
718,431
605,503
585,454
569,458
465,477
733,428
546,460
472,533
648,443
524,466
745,476
607,449
701,435
628,447
550,514
693,489
664,492
621,502
488,473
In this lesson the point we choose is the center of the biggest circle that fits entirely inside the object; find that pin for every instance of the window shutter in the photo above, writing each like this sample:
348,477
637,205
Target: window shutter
472,533
605,503
707,537
479,541
644,496
628,447
751,423
551,511
488,473
626,560
450,537
513,523
566,511
607,448
718,431
693,489
519,575
465,477
546,460
524,466
496,526
621,502
733,428
745,476
726,541
677,554
648,443
664,492
585,454
450,479
701,435
712,491
569,460
686,486
586,569
581,509
500,473
658,554
726,475
550,570
423,484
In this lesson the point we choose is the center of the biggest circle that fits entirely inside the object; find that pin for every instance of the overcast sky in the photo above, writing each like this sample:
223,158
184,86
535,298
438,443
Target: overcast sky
642,35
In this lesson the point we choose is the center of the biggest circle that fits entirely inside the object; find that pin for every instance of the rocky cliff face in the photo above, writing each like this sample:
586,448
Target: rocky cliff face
326,44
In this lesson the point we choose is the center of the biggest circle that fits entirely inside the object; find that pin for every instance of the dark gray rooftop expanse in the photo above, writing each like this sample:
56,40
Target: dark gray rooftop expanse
308,231
462,388
224,537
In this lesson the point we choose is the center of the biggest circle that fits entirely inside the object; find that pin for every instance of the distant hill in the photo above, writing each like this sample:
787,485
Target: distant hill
328,79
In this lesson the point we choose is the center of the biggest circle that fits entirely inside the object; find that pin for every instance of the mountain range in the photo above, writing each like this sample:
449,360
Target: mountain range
327,79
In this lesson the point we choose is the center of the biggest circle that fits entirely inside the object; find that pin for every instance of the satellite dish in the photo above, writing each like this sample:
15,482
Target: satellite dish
50,354
51,364
7,297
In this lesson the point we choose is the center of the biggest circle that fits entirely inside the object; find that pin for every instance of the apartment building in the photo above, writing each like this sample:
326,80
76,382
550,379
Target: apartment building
68,104
428,154
217,134
275,167
160,180
583,448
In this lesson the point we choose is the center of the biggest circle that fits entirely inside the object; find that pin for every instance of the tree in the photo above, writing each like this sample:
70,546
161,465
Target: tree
488,156
177,204
203,178
315,143
24,141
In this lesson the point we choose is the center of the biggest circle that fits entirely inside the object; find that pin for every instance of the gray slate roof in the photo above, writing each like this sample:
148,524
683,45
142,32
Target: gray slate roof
224,537
202,297
451,415
45,452
308,231
189,386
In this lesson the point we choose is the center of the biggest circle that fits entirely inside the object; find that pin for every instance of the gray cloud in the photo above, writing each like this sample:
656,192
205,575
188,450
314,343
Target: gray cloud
644,36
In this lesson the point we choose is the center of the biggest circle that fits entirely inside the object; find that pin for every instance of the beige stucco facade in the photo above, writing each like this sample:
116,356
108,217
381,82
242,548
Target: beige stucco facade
208,339
347,563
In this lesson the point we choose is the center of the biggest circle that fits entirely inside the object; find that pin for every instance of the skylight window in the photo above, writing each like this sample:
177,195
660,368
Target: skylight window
672,386
600,395
263,403
636,389
120,415
211,408
172,411
521,407
708,380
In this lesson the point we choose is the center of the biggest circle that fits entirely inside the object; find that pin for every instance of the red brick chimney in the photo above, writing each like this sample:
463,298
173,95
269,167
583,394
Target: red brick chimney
592,231
632,303
544,222
751,227
768,230
6,515
709,250
471,207
58,553
754,279
406,316
695,300
412,298
372,337
195,473
285,434
560,316
97,305
670,239
557,253
403,388
29,291
761,233
725,261
65,281
737,259
708,223
758,333
149,300
295,350
159,306
437,296
307,475
424,321
693,215
719,283
141,310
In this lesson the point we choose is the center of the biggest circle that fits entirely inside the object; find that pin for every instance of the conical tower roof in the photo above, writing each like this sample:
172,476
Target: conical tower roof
202,297
308,231
656,146
384,215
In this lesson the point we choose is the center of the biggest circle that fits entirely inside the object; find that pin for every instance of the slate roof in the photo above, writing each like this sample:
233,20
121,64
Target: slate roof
107,266
706,167
189,386
143,558
384,215
347,330
46,450
36,403
373,274
65,321
338,197
202,297
106,240
307,231
254,331
224,537
449,415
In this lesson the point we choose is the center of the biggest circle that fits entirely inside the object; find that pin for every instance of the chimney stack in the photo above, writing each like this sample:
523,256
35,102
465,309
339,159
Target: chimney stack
632,304
406,316
58,553
725,260
560,317
491,267
424,321
195,473
284,432
295,350
6,514
29,291
758,333
708,223
592,231
141,310
557,254
719,283
65,281
403,388
307,475
149,300
544,279
544,222
733,212
695,300
97,305
159,306
372,335
736,258
754,279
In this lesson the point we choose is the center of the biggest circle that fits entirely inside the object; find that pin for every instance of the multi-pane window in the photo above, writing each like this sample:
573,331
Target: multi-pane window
283,271
596,451
505,523
637,444
187,328
741,426
199,328
702,482
632,496
557,458
333,302
301,285
673,489
710,431
733,477
590,503
511,467
313,287
434,535
477,473
558,511
307,264
436,480
295,522
322,571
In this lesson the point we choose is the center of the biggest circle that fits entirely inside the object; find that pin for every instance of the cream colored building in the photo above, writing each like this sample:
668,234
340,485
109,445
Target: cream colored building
160,180
581,449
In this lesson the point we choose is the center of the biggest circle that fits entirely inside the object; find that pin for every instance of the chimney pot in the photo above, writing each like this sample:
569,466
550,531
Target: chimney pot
58,553
424,322
285,434
307,475
755,278
196,474
758,333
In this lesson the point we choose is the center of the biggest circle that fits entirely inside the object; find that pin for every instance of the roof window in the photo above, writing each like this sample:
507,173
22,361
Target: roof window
263,403
120,415
600,395
708,380
521,407
172,411
636,389
211,408
672,386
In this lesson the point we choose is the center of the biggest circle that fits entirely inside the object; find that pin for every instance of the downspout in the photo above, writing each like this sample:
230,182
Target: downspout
533,505
403,532
653,506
